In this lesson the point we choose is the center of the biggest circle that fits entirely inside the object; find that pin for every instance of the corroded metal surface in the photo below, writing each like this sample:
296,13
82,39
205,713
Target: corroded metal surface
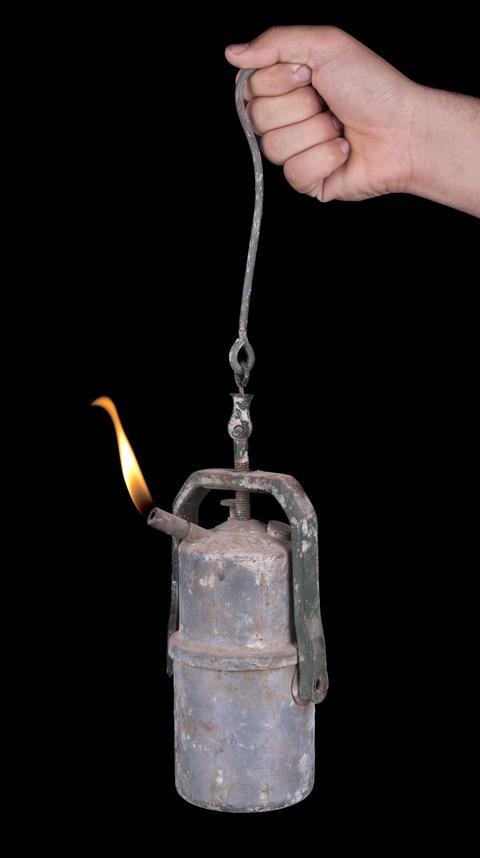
235,588
242,742
240,429
242,368
313,679
174,525
240,658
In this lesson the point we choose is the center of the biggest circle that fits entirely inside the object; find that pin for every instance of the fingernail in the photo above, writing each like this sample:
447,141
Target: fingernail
238,49
302,74
336,122
344,145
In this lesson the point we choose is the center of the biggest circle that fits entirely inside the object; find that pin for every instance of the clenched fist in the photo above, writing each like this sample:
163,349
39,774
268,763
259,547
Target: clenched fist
346,125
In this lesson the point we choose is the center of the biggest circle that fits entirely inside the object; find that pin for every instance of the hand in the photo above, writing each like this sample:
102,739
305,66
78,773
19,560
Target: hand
347,125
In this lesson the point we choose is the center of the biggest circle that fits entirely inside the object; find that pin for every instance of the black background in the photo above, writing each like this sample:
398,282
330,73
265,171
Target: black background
365,334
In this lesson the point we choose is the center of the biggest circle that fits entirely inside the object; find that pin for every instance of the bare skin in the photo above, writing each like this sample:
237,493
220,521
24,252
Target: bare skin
346,125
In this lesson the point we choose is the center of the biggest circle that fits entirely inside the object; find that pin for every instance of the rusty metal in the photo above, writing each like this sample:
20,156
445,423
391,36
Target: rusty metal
175,526
313,678
242,368
245,638
239,429
242,742
246,649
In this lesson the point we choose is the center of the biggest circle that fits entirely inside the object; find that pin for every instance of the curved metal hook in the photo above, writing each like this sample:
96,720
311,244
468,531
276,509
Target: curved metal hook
242,370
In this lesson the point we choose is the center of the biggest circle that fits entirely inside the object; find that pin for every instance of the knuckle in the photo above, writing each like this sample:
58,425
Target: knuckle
308,97
289,171
331,30
334,155
335,33
272,31
270,147
292,174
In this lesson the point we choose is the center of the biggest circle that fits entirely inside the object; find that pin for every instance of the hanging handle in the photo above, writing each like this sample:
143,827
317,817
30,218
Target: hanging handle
242,356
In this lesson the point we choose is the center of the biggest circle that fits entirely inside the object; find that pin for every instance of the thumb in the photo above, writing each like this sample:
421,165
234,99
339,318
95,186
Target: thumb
305,45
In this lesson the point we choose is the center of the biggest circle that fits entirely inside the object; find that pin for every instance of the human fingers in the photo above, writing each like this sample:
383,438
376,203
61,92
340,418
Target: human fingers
268,112
276,80
280,144
304,45
307,171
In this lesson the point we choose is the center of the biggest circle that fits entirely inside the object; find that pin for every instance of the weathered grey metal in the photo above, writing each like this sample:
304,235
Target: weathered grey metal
242,742
175,526
240,429
242,368
241,658
220,604
313,678
280,529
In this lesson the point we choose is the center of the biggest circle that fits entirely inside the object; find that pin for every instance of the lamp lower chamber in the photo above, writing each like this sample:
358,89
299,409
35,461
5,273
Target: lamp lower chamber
242,743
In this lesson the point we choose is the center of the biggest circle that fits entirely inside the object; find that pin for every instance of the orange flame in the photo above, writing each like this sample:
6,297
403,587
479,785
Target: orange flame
132,474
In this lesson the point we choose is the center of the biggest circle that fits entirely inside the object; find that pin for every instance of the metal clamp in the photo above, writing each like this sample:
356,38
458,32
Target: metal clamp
313,679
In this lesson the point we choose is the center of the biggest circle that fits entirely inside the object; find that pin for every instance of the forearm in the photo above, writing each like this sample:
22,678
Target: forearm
445,162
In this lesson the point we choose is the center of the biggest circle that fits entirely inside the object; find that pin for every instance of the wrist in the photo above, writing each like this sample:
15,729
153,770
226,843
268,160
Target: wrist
408,144
443,162
414,143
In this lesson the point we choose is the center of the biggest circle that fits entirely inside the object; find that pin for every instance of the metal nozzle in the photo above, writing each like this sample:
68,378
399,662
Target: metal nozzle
175,526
